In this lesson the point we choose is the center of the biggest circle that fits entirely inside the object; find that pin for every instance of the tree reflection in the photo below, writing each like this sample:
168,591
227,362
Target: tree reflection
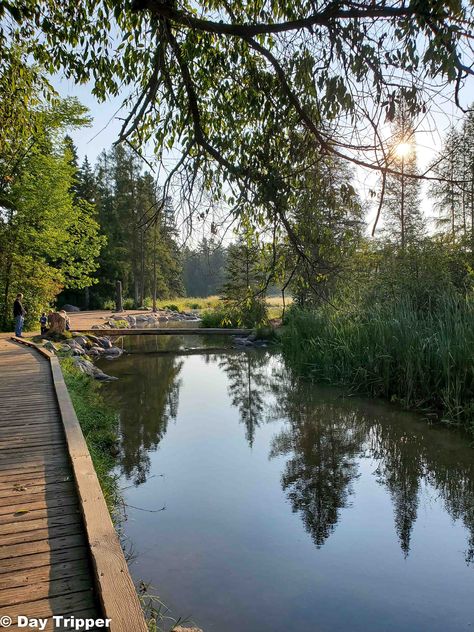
323,440
248,384
326,438
323,444
146,396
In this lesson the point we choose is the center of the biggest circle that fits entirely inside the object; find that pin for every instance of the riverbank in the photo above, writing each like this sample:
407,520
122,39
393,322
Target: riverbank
421,360
99,425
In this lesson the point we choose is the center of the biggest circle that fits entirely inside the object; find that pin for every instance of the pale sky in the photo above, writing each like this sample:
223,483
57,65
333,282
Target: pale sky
106,125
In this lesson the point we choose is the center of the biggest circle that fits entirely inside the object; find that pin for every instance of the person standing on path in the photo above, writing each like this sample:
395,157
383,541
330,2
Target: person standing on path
19,314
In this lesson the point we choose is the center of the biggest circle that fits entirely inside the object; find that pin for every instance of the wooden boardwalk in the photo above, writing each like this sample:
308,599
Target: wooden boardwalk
52,559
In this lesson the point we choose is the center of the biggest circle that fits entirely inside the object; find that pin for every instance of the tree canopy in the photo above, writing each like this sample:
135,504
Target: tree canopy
231,84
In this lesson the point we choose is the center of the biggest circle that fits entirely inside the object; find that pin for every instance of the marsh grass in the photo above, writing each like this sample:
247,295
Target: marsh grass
421,359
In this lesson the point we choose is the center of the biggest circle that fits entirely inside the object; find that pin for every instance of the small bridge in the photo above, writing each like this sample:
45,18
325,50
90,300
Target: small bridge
166,331
59,551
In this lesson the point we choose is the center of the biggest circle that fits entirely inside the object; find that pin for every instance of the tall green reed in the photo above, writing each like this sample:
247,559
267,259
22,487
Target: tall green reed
420,358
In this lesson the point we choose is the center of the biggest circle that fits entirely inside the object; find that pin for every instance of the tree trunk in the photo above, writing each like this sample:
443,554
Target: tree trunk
87,298
118,297
154,269
7,292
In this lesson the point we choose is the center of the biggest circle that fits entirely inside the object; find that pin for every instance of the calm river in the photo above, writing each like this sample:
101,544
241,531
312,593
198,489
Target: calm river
287,507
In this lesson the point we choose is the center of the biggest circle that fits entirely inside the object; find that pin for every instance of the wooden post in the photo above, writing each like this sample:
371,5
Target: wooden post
118,297
87,298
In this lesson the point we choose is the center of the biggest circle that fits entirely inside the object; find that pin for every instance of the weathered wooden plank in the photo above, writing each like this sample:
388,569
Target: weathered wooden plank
14,443
61,605
17,516
29,481
15,564
39,524
29,471
36,457
60,531
43,574
54,490
46,589
41,503
41,546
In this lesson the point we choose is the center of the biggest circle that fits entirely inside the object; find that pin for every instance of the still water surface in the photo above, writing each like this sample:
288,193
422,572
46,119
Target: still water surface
288,506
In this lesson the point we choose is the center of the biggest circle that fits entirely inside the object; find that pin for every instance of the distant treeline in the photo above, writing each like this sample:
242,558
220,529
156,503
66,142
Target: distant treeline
141,239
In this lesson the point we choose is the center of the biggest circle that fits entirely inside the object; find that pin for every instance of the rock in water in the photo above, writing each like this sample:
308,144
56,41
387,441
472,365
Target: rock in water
113,352
104,342
82,341
87,367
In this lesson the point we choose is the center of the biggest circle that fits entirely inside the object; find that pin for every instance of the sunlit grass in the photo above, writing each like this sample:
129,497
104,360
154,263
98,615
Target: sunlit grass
209,303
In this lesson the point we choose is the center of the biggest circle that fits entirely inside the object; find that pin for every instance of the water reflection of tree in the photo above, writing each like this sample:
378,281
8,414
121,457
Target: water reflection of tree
319,473
400,469
248,384
147,400
326,437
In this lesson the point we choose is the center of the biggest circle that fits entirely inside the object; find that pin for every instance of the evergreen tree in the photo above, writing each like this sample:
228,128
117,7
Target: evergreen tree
204,268
141,249
447,192
327,221
86,182
402,215
243,292
467,149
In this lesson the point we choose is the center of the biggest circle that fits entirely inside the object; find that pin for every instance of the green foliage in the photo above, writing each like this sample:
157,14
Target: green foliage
141,249
99,425
172,307
453,193
400,327
326,220
422,360
243,293
218,318
128,303
56,336
48,240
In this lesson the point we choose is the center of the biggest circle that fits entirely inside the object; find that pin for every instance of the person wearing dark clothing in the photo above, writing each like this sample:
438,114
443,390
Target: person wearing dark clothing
43,323
19,314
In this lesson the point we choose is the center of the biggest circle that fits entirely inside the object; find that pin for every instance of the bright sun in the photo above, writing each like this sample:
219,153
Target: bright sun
403,149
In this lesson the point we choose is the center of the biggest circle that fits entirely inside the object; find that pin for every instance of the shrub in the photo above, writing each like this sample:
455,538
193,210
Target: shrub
129,303
172,307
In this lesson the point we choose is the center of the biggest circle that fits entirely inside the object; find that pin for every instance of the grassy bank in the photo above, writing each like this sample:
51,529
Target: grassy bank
421,359
99,426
